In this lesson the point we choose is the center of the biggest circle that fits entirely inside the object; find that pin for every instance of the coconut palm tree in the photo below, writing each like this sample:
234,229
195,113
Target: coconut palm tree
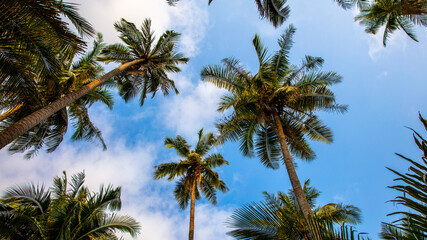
412,223
273,111
276,11
45,90
144,67
279,217
194,171
394,15
67,211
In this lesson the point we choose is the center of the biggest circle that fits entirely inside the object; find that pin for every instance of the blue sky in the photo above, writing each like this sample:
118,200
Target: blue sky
384,88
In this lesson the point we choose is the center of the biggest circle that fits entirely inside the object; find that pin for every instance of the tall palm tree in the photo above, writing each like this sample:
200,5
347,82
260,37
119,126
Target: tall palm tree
279,217
273,111
45,90
276,11
144,67
194,171
412,223
67,211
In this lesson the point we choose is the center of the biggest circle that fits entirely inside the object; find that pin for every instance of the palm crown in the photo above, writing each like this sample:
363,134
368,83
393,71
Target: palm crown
394,15
194,169
279,217
273,110
157,60
294,92
391,14
67,211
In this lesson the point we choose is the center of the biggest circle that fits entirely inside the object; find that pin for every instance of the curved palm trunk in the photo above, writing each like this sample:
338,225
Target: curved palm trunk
192,210
10,112
30,121
293,177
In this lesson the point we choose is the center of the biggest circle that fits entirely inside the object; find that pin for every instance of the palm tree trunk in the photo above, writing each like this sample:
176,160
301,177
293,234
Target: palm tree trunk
30,121
192,209
9,112
293,177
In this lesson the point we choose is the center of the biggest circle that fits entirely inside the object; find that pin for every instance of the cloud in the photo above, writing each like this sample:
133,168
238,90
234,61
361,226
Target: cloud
130,167
103,13
194,108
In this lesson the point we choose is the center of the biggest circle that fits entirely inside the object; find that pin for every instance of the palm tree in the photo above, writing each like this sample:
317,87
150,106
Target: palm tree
144,67
275,11
413,186
273,110
279,217
67,211
194,171
45,90
394,15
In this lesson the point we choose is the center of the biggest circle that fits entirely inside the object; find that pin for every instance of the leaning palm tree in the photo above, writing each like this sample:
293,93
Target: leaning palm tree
279,217
144,67
45,90
275,11
273,111
412,222
67,211
194,171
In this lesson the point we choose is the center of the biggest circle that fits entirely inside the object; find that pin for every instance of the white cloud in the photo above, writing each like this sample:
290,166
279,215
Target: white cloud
188,17
194,108
130,167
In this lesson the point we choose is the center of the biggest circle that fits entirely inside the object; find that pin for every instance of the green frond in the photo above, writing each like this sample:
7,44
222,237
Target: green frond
280,60
167,169
182,193
411,185
246,136
317,131
205,143
125,224
260,50
115,53
221,77
214,160
179,144
267,147
276,11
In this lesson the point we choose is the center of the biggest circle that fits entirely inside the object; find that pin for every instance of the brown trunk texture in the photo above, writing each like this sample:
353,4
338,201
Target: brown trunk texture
192,209
30,121
293,177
